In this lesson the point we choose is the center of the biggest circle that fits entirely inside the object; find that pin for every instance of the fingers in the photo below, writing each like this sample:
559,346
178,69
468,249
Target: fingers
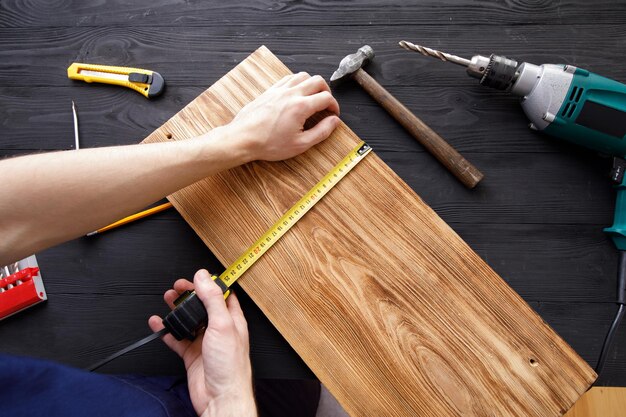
282,81
321,101
156,324
180,286
170,296
213,300
234,308
320,131
314,89
313,85
297,79
318,94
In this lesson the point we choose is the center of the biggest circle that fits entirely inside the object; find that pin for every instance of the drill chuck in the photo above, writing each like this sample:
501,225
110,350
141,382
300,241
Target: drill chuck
501,72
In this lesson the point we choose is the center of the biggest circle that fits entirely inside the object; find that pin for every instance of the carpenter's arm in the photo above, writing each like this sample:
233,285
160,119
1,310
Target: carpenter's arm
50,198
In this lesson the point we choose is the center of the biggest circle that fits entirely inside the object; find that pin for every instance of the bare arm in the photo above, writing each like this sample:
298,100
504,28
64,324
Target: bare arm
62,195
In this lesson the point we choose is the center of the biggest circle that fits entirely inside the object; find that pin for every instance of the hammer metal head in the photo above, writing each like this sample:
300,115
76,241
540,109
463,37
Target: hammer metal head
351,63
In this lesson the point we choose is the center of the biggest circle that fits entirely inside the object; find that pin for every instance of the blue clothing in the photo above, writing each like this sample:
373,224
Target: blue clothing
34,387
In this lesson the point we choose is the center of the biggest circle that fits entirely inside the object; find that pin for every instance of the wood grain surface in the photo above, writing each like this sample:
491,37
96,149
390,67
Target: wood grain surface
381,298
600,402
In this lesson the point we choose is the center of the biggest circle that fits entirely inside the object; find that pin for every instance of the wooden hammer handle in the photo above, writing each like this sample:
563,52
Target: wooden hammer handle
467,173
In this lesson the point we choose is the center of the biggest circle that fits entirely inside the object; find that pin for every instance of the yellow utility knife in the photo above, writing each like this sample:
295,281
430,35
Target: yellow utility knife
148,83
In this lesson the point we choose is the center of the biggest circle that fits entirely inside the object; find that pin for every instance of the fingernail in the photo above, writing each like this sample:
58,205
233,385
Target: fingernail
203,274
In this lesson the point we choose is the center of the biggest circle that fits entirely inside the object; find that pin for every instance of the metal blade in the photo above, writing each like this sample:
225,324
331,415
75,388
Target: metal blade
111,76
77,144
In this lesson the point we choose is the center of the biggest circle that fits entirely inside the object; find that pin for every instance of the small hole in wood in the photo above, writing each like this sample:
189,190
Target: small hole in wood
168,135
533,362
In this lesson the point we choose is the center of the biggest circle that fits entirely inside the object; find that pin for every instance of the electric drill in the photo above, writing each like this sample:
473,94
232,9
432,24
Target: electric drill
572,104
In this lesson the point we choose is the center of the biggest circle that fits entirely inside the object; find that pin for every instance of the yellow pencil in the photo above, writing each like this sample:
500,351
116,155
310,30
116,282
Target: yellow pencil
132,218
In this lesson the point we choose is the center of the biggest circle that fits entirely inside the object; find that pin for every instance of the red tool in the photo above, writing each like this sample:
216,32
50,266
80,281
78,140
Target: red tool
22,289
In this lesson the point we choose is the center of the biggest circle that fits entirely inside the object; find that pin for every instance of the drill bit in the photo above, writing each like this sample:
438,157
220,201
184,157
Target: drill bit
434,53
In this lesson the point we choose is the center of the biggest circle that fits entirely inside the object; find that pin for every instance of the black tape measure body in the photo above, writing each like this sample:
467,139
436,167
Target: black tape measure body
189,315
187,318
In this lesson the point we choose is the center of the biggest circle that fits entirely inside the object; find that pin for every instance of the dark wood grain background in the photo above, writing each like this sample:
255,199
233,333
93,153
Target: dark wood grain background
537,218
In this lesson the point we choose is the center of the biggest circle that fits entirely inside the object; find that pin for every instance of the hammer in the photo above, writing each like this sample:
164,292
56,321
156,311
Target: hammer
350,66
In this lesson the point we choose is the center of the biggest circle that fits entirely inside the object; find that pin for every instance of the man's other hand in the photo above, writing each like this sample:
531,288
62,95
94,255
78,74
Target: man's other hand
218,367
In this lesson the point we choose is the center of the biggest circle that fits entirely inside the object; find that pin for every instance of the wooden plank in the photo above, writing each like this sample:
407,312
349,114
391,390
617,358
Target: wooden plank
386,304
600,402
308,13
26,58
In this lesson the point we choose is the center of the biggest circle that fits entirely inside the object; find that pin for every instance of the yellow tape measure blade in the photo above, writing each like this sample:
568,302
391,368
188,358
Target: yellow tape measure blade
295,213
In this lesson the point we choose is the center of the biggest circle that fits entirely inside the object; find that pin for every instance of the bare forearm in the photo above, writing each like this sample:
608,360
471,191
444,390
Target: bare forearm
63,195
51,198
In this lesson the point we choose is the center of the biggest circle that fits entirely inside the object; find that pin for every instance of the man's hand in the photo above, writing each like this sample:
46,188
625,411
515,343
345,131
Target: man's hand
218,367
271,127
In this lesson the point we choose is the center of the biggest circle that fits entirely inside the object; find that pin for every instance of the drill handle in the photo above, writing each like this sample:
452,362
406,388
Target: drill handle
617,232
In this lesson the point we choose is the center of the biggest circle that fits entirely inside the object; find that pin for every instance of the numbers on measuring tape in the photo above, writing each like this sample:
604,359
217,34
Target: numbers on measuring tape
294,214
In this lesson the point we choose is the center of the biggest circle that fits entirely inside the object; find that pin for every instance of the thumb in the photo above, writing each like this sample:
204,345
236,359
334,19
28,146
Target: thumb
320,131
213,299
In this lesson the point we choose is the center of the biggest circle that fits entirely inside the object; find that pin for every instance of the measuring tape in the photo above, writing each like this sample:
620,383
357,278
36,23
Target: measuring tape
189,315
291,217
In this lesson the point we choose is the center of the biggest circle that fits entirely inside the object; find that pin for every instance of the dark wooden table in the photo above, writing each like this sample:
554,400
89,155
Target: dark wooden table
537,218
